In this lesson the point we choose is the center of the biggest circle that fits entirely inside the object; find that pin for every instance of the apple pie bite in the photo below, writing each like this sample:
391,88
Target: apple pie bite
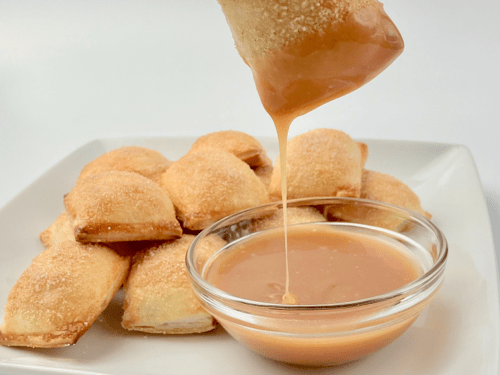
148,163
158,293
60,295
120,206
208,185
241,145
321,163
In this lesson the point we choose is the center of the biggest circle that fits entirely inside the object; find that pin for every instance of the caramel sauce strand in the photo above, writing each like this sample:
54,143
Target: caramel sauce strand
282,137
282,126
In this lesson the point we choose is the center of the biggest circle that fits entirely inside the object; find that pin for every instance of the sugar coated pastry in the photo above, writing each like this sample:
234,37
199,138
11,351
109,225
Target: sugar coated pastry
386,188
208,185
59,231
158,293
321,163
120,206
295,215
383,188
60,295
304,53
241,145
148,163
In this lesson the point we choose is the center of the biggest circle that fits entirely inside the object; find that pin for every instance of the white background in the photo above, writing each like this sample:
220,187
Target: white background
73,71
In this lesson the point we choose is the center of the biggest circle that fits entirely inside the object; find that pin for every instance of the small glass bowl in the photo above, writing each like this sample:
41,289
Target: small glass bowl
329,334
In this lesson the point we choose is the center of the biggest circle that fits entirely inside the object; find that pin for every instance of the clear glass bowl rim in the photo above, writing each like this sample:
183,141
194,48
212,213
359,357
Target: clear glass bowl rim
429,277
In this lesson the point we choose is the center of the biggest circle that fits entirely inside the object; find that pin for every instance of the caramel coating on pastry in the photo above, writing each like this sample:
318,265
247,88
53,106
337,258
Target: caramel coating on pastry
295,215
158,293
208,185
59,231
321,163
241,145
60,295
120,206
148,163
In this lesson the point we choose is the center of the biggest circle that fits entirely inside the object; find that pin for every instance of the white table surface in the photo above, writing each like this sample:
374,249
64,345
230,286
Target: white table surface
73,71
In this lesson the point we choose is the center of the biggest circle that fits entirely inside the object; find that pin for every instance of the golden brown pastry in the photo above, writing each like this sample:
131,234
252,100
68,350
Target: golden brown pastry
158,293
383,188
208,185
241,145
60,295
321,163
120,206
148,163
295,215
59,231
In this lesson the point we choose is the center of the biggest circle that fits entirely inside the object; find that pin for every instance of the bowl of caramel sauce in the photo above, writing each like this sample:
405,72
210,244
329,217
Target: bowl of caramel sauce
344,278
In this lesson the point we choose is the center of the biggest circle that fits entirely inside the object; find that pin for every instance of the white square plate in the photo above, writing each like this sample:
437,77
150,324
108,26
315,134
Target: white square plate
457,334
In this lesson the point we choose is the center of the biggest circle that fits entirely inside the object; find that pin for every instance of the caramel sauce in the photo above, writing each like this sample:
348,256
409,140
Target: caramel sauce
327,265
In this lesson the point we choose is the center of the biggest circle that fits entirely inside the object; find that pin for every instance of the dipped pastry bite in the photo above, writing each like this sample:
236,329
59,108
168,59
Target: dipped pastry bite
60,295
241,145
158,293
120,206
148,163
295,215
208,185
304,53
383,188
321,163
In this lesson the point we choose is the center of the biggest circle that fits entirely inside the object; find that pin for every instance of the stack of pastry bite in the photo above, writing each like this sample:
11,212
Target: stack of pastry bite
132,215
